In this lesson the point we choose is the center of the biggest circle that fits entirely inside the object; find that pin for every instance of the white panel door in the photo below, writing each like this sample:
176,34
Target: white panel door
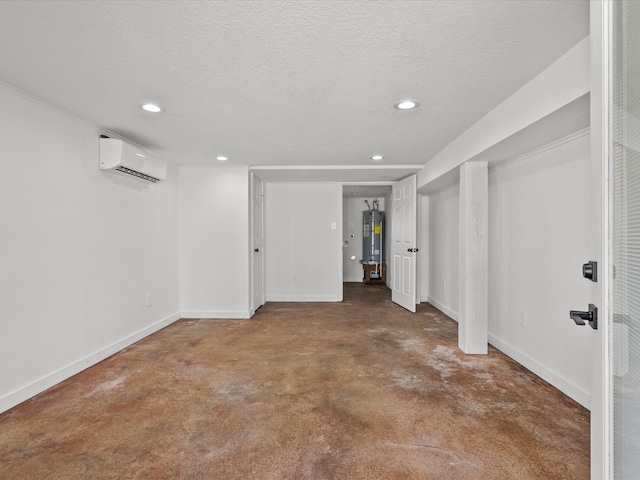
257,245
403,243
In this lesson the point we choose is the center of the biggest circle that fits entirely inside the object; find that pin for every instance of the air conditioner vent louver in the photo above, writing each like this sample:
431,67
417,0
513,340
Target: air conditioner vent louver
136,174
118,155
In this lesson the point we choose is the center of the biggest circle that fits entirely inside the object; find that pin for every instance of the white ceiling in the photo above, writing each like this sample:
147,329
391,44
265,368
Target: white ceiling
285,83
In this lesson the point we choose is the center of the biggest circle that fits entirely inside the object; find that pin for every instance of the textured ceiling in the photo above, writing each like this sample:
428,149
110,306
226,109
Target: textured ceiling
284,82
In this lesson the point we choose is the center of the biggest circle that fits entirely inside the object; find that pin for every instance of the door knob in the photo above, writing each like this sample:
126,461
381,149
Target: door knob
590,316
412,250
256,250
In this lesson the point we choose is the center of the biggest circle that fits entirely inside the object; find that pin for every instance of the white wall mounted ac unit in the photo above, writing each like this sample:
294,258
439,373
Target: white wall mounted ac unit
119,155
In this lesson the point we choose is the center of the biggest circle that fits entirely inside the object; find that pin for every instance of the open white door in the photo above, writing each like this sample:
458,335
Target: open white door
403,243
257,245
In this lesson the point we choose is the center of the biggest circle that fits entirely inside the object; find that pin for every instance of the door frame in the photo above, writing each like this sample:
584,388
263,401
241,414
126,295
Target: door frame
601,364
388,199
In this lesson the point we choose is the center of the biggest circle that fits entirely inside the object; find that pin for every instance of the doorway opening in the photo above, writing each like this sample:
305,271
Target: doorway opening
365,248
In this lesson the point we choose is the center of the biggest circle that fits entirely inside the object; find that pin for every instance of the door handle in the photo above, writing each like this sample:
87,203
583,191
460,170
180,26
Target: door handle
412,250
256,250
590,316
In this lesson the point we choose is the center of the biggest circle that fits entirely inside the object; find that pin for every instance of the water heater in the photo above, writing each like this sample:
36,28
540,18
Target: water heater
372,236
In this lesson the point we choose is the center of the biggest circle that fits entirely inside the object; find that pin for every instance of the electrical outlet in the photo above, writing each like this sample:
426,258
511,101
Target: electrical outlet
522,318
444,285
149,300
295,278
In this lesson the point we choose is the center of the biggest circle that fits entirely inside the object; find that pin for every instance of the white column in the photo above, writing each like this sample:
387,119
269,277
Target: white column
473,258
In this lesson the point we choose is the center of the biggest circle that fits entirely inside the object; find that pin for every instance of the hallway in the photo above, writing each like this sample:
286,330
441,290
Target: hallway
355,390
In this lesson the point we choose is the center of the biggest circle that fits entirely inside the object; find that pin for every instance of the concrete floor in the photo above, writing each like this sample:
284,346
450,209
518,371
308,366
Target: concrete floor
355,390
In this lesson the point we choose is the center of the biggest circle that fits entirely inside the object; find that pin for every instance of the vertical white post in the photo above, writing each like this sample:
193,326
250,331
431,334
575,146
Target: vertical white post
473,258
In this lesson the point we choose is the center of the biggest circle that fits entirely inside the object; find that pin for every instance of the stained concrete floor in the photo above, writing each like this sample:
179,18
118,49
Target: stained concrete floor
353,390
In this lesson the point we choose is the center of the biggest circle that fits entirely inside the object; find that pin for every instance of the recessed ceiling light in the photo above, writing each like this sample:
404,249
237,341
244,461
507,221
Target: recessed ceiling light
377,157
151,108
141,155
222,159
406,105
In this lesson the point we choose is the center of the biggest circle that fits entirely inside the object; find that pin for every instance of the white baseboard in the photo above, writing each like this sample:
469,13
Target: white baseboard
25,392
443,308
218,315
304,298
353,279
561,383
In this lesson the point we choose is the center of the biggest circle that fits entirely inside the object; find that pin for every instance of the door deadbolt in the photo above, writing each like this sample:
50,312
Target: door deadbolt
590,271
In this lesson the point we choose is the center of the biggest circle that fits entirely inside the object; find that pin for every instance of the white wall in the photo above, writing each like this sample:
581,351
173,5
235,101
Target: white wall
303,254
80,250
539,218
539,223
352,225
424,245
443,250
214,241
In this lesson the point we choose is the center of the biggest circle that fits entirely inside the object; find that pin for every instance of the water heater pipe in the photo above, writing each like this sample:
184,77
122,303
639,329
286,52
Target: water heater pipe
381,248
373,235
